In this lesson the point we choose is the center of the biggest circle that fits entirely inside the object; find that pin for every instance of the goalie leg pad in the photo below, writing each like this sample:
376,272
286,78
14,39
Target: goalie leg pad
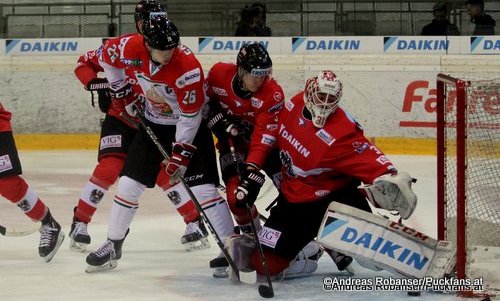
393,192
386,244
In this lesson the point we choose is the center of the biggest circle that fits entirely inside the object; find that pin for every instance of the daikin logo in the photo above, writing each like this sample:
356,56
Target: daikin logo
225,44
40,46
312,44
402,44
481,43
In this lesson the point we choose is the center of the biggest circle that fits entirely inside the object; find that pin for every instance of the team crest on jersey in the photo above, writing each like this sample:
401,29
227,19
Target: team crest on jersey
256,103
219,91
24,205
96,196
110,141
175,197
286,160
325,137
289,105
5,163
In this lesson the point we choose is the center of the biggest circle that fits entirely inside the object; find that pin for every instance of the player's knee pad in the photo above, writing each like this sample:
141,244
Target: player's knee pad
13,188
129,189
107,171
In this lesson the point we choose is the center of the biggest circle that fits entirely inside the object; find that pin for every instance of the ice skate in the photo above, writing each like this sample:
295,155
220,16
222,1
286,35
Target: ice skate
220,266
195,237
342,261
106,257
51,237
80,238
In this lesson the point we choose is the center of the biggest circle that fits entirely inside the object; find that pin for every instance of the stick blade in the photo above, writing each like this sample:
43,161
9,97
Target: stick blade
20,231
266,291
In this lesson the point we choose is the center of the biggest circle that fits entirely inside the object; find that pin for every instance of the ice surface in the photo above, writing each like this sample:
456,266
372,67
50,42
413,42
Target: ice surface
154,265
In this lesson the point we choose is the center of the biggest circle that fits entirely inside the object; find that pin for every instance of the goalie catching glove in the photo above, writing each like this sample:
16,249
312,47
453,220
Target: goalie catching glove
179,160
393,192
250,184
101,86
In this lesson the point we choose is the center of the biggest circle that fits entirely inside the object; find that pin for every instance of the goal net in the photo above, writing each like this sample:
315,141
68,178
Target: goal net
468,124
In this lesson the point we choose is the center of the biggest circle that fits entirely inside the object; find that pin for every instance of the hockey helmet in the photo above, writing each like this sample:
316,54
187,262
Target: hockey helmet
322,96
254,59
160,33
145,9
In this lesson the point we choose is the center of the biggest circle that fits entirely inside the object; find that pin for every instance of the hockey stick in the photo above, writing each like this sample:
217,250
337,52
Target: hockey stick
265,291
219,242
17,232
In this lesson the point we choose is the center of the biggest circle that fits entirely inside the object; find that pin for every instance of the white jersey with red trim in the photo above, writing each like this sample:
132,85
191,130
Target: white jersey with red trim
259,111
174,93
318,161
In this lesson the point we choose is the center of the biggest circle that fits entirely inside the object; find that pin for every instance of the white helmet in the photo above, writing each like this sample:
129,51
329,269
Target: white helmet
322,95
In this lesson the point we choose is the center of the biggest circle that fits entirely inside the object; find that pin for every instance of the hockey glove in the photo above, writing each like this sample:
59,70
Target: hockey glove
248,189
221,125
179,160
100,85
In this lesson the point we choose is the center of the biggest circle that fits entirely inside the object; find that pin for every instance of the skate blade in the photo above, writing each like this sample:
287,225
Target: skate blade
220,272
197,245
60,239
77,246
101,268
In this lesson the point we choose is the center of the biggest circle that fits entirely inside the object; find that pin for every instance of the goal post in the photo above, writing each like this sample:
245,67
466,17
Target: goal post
468,174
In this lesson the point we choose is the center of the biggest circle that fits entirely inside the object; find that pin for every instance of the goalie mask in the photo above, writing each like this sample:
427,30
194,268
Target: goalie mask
146,9
322,96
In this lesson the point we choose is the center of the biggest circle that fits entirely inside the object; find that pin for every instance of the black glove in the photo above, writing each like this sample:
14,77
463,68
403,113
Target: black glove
100,85
221,125
249,188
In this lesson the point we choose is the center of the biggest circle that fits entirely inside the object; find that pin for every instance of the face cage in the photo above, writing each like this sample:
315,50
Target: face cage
320,109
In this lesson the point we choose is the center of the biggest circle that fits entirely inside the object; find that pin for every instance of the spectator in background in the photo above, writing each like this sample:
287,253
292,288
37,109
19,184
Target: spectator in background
259,20
440,25
485,24
253,21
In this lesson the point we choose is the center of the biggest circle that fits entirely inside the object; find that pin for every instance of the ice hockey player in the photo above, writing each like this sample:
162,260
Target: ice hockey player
245,102
325,157
172,81
117,133
15,189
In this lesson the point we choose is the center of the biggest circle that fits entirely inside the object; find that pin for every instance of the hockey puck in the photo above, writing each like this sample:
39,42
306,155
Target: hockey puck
414,294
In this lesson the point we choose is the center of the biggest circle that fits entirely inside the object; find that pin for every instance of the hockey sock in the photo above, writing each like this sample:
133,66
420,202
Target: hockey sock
216,209
124,207
105,174
16,190
178,195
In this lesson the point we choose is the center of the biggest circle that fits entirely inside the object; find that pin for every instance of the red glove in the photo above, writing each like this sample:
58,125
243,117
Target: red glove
179,161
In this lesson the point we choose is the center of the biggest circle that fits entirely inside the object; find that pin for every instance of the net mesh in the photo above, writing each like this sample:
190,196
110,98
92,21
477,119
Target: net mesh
482,155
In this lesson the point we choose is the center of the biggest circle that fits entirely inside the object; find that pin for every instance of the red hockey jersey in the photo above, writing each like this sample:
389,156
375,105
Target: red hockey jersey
5,120
88,67
260,111
316,161
174,93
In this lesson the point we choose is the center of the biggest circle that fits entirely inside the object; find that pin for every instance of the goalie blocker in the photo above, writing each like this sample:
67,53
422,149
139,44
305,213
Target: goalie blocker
384,243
